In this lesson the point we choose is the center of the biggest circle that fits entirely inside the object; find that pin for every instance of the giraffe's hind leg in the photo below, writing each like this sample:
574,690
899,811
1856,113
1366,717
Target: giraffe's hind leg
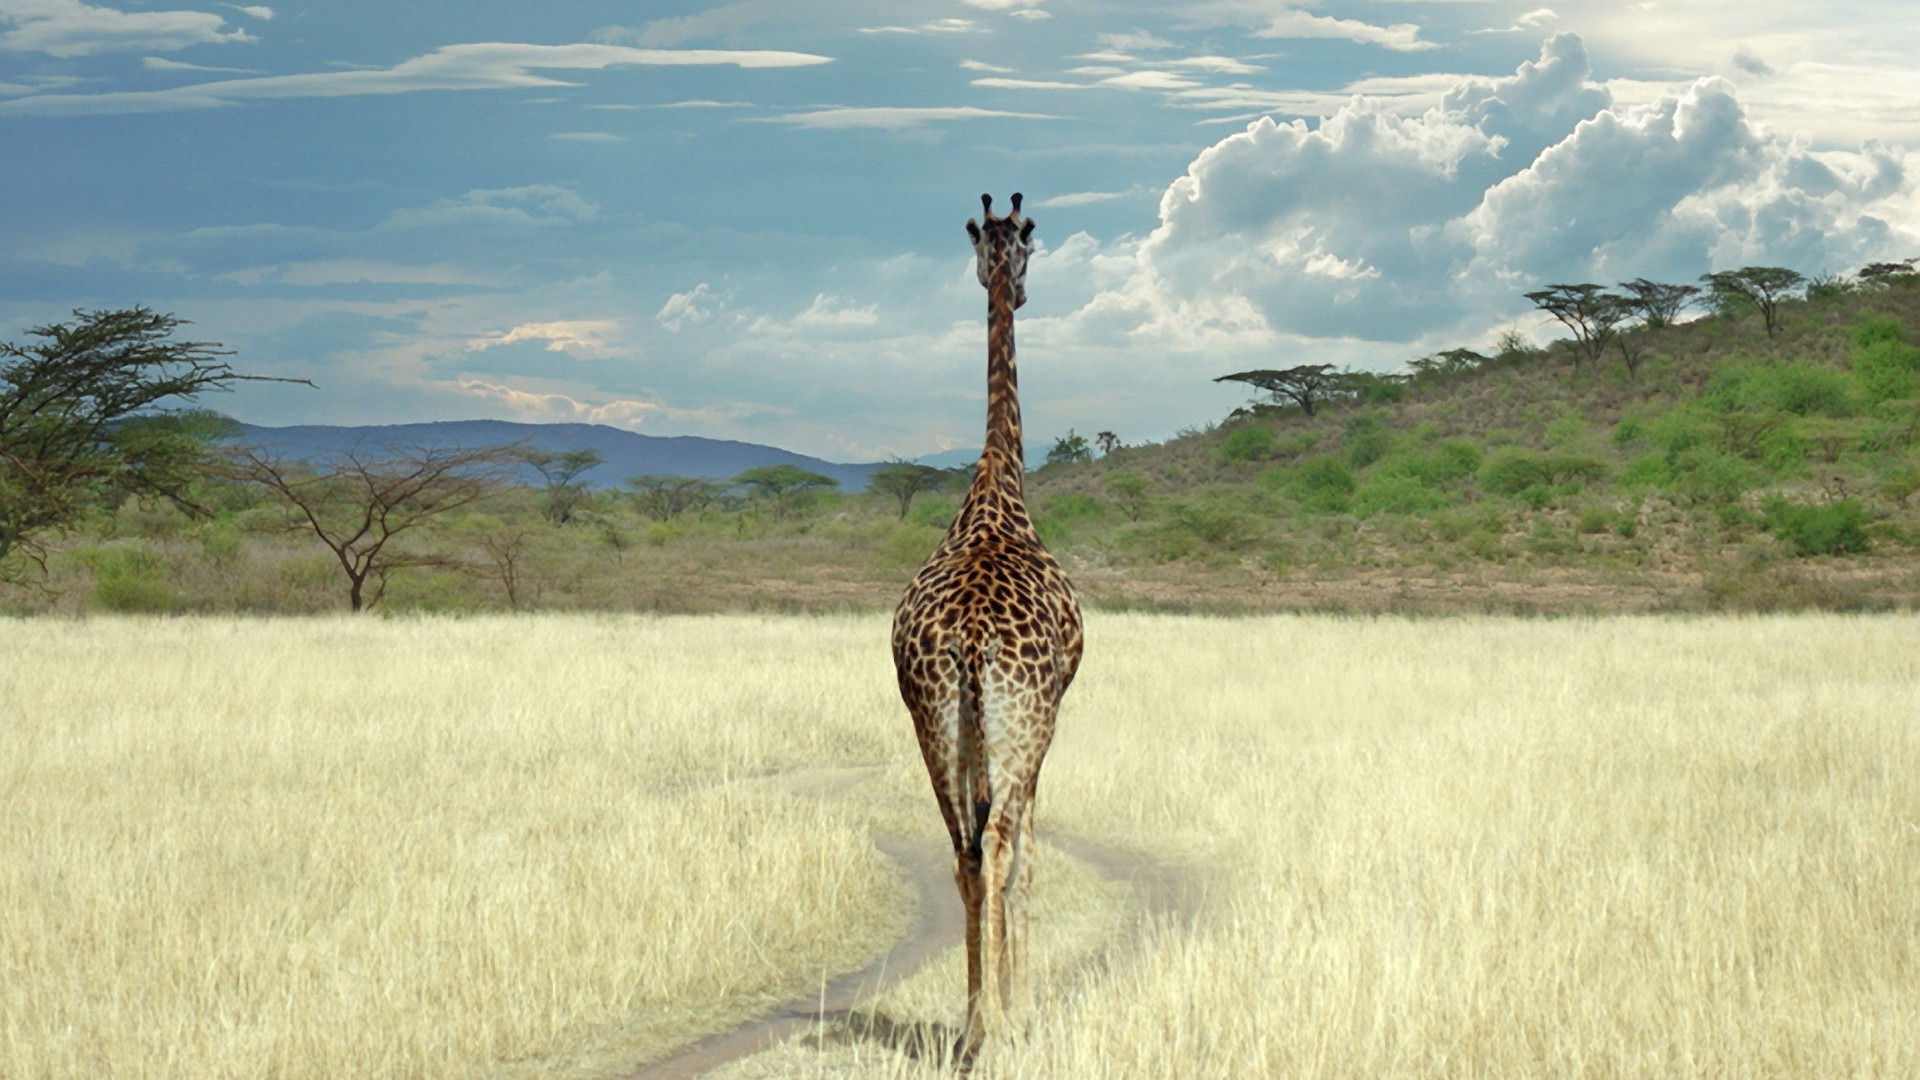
1016,988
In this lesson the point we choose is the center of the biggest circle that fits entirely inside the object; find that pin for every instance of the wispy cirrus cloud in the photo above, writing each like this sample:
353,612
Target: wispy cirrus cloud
935,26
594,337
549,406
896,117
357,272
67,28
1264,20
996,82
483,66
1088,198
161,63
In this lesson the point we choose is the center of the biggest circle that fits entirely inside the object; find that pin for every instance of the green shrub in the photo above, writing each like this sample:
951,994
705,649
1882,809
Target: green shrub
1799,388
1374,390
1075,507
1217,525
1647,471
129,578
1707,475
1512,470
1877,331
1249,443
1566,431
1594,518
1322,483
1629,431
1395,493
1364,441
1834,529
1887,370
1449,463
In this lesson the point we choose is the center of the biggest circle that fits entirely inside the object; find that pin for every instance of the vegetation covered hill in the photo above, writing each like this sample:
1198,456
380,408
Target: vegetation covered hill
1741,462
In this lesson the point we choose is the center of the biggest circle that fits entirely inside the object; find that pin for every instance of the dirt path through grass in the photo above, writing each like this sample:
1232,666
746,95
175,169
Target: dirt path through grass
1162,893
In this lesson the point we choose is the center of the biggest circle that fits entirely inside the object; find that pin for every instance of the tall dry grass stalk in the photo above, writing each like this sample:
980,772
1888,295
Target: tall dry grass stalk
1474,847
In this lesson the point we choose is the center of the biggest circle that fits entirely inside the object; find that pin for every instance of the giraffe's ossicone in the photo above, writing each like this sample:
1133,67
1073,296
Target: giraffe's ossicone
985,643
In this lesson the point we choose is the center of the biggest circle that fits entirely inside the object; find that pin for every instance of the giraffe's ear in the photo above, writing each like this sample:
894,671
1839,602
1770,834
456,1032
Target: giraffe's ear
1026,231
973,230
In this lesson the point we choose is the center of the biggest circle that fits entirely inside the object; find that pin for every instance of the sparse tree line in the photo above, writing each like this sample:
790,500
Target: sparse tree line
101,437
102,408
1598,318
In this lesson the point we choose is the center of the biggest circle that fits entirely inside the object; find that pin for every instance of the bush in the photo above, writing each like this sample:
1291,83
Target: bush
129,578
1887,370
1704,474
1876,331
1395,493
1565,431
1799,388
1513,470
1365,441
1834,529
1594,518
1448,463
1250,443
1322,483
1647,471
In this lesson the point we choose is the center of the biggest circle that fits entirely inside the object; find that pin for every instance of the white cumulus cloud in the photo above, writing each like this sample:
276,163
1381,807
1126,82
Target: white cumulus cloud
1376,226
689,308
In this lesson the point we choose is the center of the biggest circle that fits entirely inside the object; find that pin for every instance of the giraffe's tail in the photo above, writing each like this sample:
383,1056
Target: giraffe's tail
973,657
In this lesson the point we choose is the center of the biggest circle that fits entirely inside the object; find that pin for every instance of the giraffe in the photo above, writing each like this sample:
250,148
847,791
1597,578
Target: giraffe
985,641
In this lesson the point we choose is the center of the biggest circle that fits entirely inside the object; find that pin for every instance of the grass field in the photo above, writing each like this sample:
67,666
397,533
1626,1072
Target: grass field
557,846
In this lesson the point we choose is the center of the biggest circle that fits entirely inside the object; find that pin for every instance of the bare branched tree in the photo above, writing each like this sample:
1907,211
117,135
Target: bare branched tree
364,500
509,558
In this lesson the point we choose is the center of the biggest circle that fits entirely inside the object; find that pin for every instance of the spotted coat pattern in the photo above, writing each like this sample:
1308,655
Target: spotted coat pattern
985,642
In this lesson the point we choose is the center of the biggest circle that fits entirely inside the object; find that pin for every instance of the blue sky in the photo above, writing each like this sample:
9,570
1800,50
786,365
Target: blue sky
744,220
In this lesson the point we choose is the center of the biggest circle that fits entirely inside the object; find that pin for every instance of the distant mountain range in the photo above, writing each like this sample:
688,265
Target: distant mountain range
627,453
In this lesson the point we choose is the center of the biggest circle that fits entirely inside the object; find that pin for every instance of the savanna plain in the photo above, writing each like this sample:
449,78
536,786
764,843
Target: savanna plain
566,845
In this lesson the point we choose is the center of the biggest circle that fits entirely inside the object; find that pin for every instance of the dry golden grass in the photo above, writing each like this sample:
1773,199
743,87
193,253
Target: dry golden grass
549,846
358,848
1490,848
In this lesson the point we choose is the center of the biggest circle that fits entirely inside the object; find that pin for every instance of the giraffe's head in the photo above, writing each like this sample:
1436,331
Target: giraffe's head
1007,240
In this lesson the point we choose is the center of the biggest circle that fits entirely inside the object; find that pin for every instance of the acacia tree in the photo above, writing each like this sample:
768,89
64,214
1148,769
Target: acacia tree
1107,441
561,470
782,486
1592,313
1884,275
1307,385
1447,363
902,480
79,420
665,497
362,502
1656,303
1761,286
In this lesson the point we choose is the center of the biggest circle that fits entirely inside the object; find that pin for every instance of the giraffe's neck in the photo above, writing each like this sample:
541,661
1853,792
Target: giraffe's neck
1002,460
